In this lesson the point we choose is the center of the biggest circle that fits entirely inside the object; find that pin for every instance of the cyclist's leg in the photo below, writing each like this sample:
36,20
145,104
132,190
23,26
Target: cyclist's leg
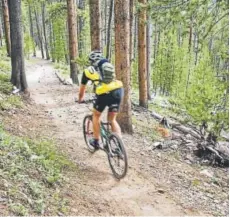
98,106
115,101
96,124
115,126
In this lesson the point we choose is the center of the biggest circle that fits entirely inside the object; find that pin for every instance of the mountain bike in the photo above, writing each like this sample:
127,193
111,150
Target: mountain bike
111,144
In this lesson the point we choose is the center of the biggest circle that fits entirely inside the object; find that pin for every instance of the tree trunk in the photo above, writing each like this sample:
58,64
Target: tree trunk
65,37
105,22
95,24
179,35
39,33
44,30
196,46
122,61
71,4
108,47
148,39
135,38
190,36
6,25
155,44
18,77
131,30
81,6
142,64
32,30
52,43
1,33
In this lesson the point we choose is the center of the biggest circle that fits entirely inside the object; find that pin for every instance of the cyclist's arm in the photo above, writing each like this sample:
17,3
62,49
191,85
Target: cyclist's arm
82,89
81,93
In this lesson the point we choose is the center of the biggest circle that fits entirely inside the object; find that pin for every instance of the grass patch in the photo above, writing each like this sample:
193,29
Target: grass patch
32,175
4,61
7,101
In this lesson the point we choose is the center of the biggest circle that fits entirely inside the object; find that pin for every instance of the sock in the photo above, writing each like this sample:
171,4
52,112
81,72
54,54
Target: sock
96,141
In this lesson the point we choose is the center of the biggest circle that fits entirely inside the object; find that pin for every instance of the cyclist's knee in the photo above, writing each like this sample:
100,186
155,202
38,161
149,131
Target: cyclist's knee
112,116
96,113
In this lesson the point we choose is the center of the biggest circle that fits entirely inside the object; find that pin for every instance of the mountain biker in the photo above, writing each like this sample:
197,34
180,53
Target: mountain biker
108,91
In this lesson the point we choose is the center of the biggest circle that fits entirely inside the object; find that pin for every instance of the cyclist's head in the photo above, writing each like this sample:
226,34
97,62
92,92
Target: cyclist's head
95,56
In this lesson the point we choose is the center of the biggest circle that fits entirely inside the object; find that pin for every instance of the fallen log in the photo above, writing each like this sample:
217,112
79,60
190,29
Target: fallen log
179,127
215,154
59,77
63,80
207,148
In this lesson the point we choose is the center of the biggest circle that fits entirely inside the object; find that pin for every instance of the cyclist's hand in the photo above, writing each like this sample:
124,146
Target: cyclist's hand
79,101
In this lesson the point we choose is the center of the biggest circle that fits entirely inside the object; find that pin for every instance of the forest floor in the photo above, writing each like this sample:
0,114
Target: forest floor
158,183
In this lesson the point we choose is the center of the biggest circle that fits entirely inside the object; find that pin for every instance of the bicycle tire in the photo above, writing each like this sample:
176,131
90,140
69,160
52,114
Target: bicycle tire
120,155
88,133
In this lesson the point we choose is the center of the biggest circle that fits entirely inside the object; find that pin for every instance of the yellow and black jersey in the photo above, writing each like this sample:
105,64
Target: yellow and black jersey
100,88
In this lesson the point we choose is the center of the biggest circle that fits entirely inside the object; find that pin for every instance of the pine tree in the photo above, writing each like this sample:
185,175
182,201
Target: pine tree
18,77
122,61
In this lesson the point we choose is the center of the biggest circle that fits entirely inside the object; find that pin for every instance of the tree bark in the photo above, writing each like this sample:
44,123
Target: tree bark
95,24
142,63
108,46
18,77
122,61
44,30
39,33
71,4
6,26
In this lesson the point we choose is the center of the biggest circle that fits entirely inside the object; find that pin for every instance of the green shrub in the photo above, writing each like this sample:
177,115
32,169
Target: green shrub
31,170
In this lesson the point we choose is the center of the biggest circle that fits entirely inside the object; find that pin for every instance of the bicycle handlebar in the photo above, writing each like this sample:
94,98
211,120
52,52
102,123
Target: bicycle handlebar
87,101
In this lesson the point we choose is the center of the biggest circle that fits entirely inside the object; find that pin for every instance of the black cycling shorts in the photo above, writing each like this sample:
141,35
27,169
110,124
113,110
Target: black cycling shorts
111,99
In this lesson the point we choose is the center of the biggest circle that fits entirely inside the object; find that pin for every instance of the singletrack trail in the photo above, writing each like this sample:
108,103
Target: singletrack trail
93,190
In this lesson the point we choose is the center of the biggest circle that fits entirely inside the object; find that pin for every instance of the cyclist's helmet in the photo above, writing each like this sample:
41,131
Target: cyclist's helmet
95,56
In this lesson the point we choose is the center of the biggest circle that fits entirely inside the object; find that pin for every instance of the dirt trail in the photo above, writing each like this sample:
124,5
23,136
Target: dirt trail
94,191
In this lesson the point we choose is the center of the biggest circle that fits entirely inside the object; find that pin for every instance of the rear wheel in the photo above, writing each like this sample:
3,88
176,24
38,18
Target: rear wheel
117,157
88,131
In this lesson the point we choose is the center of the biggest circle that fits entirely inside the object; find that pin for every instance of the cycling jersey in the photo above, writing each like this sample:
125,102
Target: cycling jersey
100,87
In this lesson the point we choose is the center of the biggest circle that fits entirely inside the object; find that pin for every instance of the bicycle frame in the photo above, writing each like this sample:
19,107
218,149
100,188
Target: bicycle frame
104,133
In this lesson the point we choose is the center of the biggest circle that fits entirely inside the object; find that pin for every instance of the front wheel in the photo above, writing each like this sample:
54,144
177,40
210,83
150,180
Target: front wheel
88,131
117,156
